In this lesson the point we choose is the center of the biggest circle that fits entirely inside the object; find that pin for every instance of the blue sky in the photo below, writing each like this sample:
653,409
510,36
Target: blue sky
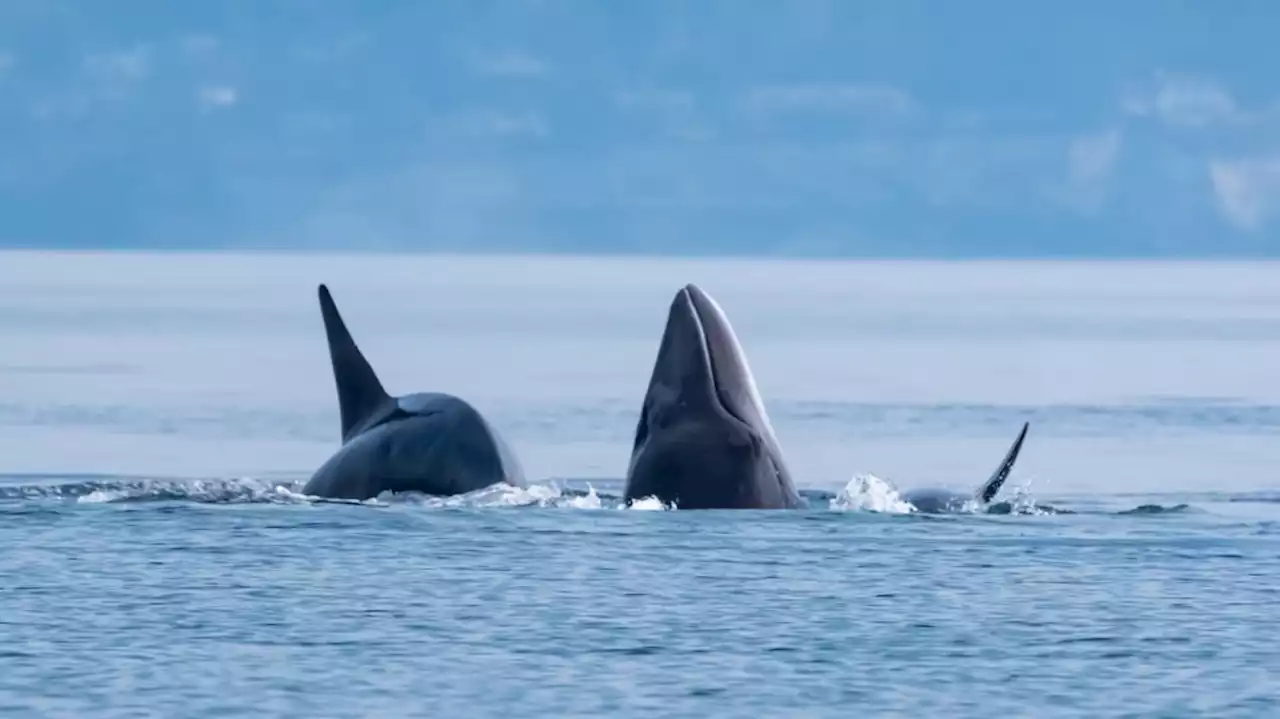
982,128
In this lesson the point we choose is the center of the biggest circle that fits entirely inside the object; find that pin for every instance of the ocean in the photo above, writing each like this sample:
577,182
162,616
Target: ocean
159,414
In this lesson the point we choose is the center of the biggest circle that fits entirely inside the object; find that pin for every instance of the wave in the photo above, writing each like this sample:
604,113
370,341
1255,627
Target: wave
1255,497
248,490
1158,509
869,493
864,493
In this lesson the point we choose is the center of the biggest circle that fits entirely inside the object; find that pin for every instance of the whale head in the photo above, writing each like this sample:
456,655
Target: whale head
703,439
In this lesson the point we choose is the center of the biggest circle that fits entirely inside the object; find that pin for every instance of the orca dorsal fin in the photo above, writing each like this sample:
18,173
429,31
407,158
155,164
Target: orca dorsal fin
993,485
360,394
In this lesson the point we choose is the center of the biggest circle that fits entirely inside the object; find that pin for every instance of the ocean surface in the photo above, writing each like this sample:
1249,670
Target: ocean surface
160,412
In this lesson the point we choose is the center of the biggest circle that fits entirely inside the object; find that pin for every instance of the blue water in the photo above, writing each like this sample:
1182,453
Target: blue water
158,414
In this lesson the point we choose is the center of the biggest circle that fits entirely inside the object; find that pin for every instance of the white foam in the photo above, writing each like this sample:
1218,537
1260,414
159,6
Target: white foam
242,490
547,494
591,501
647,504
869,493
102,496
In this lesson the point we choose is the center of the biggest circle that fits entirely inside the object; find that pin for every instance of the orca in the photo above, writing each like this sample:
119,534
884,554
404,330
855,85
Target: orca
429,442
934,500
704,440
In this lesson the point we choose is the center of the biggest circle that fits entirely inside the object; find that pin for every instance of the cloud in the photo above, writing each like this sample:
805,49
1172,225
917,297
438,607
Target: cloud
979,170
1093,157
654,99
675,112
1247,190
491,124
335,49
199,46
829,98
1185,100
119,68
509,64
112,76
213,97
1091,162
106,77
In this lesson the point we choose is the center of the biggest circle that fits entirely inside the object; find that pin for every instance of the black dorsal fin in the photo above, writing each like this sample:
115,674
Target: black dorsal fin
993,485
360,394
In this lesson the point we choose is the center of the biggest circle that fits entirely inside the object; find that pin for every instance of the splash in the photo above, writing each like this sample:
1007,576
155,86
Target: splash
546,494
648,504
1022,501
590,500
242,490
869,493
863,493
246,490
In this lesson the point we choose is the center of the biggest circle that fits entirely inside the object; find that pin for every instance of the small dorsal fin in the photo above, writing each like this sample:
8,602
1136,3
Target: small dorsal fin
992,486
360,393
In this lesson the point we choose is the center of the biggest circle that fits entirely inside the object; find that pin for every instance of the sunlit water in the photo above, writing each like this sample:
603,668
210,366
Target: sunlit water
159,414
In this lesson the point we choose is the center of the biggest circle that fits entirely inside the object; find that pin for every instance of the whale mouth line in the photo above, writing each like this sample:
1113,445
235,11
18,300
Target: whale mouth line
707,356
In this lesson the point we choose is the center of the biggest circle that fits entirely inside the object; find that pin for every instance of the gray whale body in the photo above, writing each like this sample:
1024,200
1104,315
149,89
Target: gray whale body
933,500
703,440
431,442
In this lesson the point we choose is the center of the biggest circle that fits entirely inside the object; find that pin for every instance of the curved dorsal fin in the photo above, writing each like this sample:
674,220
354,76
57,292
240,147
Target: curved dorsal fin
989,490
360,393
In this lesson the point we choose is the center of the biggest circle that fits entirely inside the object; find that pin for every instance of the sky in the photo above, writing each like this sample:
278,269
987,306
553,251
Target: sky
988,128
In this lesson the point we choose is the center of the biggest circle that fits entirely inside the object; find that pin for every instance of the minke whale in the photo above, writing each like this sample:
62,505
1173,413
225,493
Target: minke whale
430,442
939,501
703,440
